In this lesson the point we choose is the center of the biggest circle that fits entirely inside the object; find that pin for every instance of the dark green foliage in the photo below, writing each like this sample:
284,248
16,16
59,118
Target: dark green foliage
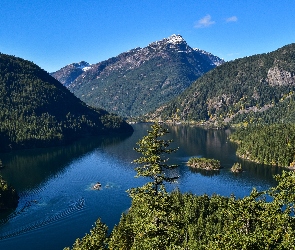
186,221
96,240
204,163
271,145
37,111
240,90
281,112
151,223
8,196
153,162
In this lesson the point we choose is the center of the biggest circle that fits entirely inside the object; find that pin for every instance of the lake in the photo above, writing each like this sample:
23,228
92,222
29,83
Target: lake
58,204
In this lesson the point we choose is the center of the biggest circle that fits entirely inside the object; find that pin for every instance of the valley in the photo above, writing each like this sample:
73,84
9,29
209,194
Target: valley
251,99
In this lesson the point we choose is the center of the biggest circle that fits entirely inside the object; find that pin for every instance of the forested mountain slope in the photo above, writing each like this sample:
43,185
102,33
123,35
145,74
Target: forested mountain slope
37,110
136,82
259,87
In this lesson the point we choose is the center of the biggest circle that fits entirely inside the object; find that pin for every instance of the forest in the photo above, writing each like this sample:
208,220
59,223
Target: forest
38,111
258,88
270,145
204,163
158,219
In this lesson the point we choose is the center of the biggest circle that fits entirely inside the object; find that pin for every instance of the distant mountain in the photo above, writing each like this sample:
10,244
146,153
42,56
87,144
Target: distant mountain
259,89
136,82
69,73
38,111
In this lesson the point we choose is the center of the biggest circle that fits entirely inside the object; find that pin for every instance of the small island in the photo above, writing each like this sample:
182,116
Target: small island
8,196
204,163
236,168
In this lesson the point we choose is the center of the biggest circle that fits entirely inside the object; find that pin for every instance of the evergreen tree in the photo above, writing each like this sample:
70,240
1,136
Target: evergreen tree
153,163
96,240
150,222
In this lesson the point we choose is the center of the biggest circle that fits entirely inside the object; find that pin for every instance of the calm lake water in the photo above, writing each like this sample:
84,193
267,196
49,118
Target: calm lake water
57,203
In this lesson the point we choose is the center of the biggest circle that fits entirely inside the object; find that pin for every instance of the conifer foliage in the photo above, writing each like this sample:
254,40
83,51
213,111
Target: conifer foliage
267,144
38,111
150,221
153,162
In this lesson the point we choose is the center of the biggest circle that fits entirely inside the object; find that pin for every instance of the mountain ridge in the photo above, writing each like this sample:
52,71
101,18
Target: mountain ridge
244,90
136,81
38,111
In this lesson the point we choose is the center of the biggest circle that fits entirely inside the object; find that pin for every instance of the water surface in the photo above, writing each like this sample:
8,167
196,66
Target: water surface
57,201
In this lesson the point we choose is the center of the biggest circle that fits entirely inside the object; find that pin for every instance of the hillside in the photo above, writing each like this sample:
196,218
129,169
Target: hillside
36,110
257,88
271,145
136,82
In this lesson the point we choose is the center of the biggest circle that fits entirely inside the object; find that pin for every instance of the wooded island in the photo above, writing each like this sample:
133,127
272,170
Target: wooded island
204,163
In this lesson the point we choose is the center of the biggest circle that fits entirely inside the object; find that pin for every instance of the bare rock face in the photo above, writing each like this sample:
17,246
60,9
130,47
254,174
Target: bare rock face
279,77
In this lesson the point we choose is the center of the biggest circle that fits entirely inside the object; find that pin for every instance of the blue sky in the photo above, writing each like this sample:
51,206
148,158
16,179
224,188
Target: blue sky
54,33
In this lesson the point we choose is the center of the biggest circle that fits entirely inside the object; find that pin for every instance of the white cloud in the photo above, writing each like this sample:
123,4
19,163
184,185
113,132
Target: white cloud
231,19
206,21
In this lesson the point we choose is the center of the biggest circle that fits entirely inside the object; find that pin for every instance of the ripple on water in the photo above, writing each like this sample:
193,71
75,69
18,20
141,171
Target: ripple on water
73,208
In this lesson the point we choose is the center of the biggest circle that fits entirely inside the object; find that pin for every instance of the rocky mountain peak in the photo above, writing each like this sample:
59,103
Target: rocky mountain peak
138,80
173,41
176,39
69,73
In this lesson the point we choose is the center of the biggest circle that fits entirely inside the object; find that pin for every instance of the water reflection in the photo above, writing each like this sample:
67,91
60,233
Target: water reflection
27,169
199,142
206,143
204,172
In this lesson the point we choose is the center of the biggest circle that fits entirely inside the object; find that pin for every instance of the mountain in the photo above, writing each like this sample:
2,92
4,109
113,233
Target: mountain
38,111
259,88
69,73
136,82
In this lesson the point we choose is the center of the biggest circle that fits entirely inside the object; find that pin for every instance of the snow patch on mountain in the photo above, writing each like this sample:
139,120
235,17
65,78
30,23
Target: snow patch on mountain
86,68
176,39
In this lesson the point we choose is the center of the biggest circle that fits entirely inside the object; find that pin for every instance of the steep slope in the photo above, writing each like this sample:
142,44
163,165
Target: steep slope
247,87
36,110
138,81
